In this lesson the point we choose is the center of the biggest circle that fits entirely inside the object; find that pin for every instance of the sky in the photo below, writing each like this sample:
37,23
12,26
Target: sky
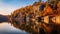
8,6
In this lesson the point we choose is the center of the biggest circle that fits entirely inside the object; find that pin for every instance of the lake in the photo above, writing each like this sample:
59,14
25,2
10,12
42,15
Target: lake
6,28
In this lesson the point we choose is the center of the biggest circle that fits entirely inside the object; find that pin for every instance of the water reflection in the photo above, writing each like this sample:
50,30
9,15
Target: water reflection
6,28
35,24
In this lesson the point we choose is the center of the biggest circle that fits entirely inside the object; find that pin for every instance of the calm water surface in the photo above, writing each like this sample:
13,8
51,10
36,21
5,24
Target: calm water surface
6,28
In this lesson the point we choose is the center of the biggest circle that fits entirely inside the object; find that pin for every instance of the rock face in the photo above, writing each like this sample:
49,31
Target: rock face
39,18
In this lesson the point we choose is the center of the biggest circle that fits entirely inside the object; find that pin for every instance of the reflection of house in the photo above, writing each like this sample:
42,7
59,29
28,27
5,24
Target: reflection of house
56,19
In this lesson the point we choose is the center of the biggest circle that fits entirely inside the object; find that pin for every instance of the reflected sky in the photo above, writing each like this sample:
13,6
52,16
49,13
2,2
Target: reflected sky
7,28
